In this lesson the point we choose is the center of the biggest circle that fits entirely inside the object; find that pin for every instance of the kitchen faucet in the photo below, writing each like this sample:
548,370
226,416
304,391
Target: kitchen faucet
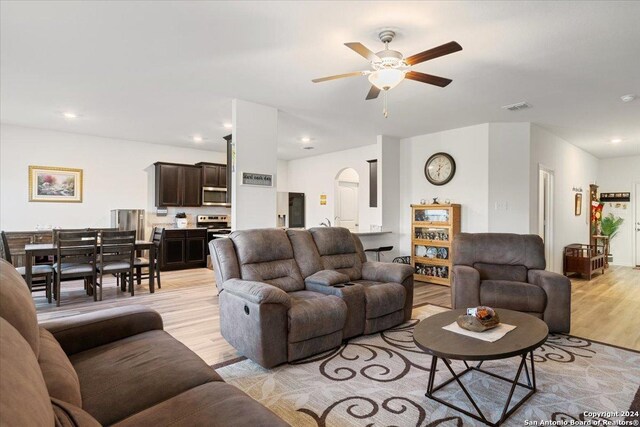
327,223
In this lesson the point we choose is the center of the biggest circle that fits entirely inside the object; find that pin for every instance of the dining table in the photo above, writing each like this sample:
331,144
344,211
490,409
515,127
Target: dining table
50,249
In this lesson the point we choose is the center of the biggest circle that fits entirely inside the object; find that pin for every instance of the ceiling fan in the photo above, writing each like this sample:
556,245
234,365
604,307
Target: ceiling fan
390,67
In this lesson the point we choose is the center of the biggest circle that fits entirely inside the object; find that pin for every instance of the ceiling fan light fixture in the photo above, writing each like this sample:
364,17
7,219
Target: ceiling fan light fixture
386,78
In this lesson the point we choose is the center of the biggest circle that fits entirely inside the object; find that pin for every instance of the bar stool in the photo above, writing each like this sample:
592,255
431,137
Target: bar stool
378,250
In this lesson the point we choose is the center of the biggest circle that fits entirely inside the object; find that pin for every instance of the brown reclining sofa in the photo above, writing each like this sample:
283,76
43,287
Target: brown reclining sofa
286,295
109,367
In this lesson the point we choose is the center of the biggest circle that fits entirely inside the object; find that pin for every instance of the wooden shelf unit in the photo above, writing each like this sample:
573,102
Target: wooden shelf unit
433,228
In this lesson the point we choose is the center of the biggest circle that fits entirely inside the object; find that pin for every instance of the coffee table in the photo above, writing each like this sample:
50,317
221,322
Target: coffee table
529,334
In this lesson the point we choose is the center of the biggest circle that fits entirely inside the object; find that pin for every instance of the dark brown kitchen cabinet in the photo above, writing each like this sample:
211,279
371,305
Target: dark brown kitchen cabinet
182,249
178,185
213,175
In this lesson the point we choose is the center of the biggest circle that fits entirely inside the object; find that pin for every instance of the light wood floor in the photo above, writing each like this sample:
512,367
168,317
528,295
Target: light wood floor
604,309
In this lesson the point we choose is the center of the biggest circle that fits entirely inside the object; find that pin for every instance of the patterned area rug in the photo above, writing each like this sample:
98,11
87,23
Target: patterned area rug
381,380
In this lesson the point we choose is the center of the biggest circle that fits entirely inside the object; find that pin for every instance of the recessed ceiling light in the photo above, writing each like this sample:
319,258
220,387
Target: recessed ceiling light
305,139
227,125
628,98
197,138
70,115
616,140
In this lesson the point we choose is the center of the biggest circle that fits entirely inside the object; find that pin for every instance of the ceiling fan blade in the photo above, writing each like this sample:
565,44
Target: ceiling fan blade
339,76
373,92
433,53
427,78
362,50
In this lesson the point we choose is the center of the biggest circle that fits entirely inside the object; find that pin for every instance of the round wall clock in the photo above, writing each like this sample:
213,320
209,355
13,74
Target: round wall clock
440,168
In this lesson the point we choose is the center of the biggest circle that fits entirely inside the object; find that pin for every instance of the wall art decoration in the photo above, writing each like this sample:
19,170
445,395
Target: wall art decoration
55,184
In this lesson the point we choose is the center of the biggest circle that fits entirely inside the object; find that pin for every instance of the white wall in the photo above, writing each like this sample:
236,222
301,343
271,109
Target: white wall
469,147
572,167
283,176
509,204
118,174
389,193
616,175
316,175
255,140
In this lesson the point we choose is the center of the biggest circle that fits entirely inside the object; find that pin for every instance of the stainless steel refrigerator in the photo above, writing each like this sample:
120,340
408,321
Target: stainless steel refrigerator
129,219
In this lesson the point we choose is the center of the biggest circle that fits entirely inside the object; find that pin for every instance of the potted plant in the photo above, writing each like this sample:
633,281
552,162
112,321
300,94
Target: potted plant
609,226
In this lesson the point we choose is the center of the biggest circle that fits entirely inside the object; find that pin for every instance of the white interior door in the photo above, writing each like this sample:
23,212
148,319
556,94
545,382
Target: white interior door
637,223
347,205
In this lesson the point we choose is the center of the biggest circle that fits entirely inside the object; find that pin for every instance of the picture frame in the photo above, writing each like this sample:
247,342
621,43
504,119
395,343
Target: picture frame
578,204
55,184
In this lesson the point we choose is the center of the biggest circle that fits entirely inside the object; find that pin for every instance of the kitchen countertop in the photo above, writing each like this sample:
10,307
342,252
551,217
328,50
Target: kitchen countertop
371,233
185,228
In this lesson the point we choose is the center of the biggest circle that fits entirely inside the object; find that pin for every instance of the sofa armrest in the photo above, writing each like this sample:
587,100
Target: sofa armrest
85,331
465,287
326,278
257,292
557,313
386,271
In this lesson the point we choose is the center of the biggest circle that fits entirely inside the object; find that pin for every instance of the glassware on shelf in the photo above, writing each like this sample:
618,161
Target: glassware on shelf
432,234
432,215
439,271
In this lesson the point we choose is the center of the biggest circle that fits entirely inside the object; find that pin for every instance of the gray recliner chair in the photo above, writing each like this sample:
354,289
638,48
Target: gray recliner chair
508,271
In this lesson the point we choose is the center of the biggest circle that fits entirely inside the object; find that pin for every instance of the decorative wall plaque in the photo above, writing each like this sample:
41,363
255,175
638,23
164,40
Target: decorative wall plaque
258,179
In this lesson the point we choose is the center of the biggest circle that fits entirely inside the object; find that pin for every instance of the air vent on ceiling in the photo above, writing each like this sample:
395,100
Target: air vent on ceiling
517,106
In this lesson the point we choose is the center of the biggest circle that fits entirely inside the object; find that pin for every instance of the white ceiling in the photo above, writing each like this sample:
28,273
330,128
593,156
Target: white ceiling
162,71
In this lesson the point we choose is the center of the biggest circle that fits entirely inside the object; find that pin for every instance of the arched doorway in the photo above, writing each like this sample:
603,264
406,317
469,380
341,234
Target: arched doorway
346,199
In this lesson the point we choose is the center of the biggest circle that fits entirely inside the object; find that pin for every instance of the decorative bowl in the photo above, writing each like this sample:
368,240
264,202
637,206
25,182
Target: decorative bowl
482,319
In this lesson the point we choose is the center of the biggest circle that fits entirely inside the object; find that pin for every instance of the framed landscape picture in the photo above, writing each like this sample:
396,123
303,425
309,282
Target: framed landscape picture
53,184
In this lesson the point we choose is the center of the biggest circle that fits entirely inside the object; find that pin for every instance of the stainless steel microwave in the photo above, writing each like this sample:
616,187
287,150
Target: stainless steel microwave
214,196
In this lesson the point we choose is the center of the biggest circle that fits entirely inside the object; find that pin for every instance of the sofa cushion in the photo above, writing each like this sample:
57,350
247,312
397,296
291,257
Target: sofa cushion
515,273
499,248
382,298
24,398
313,314
338,250
135,373
212,404
59,375
266,255
305,252
68,415
261,245
283,274
348,264
16,305
333,240
512,295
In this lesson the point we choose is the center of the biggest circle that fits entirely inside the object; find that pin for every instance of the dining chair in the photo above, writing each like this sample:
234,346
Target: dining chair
42,272
57,231
76,257
140,262
117,253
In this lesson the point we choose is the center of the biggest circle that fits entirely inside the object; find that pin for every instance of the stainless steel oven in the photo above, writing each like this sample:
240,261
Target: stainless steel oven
214,196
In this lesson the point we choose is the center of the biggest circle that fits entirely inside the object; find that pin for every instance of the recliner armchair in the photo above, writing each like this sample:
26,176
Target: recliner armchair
503,270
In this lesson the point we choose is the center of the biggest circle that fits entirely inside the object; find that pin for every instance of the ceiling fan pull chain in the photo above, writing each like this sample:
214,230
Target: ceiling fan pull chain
385,111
